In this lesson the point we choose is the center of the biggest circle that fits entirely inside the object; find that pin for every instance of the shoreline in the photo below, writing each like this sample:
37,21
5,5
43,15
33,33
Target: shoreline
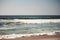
56,35
36,37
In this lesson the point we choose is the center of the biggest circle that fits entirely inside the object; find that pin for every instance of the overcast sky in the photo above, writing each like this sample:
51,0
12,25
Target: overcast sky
29,7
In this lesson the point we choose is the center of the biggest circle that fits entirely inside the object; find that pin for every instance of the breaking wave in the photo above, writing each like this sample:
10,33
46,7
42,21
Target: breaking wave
13,28
12,36
30,20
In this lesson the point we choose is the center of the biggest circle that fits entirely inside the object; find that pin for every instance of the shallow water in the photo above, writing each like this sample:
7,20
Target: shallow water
36,26
50,39
22,26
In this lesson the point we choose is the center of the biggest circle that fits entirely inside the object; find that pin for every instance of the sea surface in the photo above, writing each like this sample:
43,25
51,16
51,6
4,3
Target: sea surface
12,28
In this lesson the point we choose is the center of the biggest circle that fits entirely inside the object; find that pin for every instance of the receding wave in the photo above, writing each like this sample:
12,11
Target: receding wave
12,36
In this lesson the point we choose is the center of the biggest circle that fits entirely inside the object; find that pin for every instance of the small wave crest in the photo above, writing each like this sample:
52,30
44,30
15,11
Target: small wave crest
7,28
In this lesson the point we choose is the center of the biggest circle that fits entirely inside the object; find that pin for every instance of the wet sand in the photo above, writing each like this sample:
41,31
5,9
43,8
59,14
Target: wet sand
39,37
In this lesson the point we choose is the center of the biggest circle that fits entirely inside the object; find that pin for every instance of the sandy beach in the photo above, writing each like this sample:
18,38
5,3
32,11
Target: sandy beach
39,37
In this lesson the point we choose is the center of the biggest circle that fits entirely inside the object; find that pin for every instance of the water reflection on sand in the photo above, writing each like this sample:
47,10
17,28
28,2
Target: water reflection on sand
50,39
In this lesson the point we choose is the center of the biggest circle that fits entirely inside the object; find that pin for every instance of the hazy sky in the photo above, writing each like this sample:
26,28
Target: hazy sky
29,7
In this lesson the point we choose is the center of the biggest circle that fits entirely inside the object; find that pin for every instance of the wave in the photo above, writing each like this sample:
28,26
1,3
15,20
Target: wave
4,28
12,36
31,20
24,21
5,24
34,27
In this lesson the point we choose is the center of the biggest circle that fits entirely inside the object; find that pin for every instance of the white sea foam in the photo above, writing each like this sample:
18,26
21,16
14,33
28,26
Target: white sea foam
12,36
32,20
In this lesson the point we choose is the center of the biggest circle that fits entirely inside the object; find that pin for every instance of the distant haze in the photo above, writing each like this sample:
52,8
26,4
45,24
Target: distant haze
29,7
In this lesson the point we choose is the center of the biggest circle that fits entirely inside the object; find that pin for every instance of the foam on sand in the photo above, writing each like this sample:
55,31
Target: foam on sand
12,36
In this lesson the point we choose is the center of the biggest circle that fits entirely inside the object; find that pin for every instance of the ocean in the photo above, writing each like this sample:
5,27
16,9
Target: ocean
12,28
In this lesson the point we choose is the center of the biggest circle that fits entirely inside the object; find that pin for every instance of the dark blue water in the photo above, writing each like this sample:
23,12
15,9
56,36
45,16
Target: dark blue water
29,16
